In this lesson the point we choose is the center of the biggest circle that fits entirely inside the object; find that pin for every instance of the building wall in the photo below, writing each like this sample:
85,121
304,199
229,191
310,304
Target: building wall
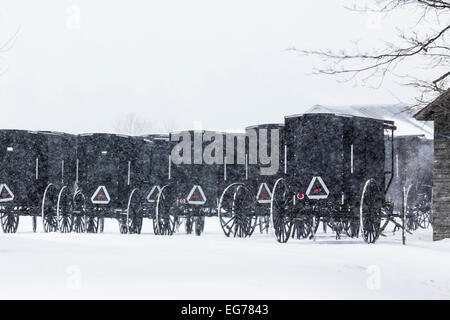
441,176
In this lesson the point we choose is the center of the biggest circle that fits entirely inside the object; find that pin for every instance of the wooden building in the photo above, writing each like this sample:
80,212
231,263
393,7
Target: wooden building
439,112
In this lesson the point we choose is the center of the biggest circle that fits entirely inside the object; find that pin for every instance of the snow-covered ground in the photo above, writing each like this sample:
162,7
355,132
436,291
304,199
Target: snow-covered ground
112,265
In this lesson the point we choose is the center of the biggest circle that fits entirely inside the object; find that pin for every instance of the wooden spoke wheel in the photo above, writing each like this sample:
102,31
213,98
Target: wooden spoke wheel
424,217
237,211
155,225
79,223
49,209
166,212
418,205
9,221
225,209
370,211
135,225
79,208
302,227
280,210
64,211
92,224
134,218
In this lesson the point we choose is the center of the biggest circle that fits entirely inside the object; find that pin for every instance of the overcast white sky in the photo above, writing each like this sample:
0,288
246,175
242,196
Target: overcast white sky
176,61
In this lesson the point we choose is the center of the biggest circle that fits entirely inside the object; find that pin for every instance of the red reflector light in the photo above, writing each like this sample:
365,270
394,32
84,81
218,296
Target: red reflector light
182,200
317,190
4,195
100,196
300,196
264,195
196,197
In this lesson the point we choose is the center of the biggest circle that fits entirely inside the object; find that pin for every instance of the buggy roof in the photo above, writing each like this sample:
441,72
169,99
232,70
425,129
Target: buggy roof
104,134
18,131
266,125
404,121
386,122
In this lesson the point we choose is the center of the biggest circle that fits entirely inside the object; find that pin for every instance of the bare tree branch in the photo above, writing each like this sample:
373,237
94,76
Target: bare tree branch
431,47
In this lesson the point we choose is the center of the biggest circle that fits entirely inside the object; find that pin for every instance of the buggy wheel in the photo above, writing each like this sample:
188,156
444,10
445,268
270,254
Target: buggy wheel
34,223
424,218
280,206
134,216
92,224
244,208
9,221
199,225
155,225
370,211
64,210
418,208
48,209
79,223
409,207
225,208
237,211
79,219
166,216
302,227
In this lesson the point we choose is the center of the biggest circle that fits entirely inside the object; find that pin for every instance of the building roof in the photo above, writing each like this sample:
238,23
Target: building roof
440,103
403,119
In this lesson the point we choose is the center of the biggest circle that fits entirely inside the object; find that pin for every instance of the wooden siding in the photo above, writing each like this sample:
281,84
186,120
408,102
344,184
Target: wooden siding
441,175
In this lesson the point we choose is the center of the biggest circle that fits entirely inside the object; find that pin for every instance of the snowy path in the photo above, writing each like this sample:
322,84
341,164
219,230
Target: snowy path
112,265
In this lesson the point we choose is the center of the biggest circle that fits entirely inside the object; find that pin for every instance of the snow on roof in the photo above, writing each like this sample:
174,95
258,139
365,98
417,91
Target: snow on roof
230,131
404,121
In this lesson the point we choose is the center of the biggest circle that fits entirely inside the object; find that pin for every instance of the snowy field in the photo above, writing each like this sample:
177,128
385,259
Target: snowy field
111,265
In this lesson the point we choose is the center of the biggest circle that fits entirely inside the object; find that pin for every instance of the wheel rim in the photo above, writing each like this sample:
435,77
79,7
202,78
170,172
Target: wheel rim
420,208
166,218
134,217
225,210
48,210
79,224
92,224
244,209
280,211
64,211
9,222
302,227
237,211
370,212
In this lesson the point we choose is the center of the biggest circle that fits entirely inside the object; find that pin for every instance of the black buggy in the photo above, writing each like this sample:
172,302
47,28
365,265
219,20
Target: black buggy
411,188
37,177
109,179
154,160
193,189
335,173
245,203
